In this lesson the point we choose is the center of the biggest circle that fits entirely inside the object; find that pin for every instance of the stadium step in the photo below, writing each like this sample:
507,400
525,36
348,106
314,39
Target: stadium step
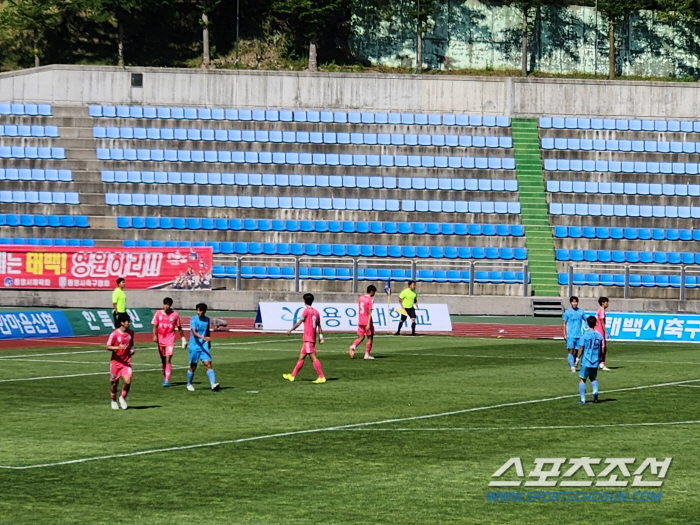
534,208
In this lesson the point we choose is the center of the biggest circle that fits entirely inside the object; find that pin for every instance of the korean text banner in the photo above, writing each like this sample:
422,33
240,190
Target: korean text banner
74,268
670,328
29,325
342,317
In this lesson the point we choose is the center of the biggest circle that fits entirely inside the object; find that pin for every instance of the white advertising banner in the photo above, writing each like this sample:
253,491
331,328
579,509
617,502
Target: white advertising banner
342,317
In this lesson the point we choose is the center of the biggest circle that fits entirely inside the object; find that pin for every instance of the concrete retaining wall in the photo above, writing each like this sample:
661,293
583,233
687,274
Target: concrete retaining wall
76,85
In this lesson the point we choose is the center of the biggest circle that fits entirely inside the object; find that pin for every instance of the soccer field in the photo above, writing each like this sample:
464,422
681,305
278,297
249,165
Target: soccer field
411,437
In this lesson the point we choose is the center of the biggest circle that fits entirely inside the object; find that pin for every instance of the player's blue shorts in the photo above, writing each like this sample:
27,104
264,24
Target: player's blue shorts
573,342
200,352
588,373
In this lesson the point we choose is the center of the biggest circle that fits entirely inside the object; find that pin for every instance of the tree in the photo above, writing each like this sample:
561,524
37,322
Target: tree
35,17
421,12
525,7
116,13
308,18
615,11
206,6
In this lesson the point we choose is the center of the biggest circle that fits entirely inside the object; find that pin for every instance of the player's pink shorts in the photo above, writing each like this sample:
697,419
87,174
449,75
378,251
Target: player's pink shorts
308,348
362,330
165,350
117,370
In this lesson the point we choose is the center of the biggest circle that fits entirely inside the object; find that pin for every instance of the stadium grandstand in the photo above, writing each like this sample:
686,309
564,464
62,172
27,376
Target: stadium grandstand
474,198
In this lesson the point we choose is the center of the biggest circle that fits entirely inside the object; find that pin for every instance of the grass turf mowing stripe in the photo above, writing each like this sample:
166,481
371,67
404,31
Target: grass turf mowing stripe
330,429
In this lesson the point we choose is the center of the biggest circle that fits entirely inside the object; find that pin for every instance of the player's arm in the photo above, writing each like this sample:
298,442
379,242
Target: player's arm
320,333
195,333
369,318
155,330
296,325
580,352
182,334
564,328
207,335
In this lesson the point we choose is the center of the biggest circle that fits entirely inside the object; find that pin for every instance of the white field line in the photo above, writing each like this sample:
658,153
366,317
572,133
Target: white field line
556,427
329,429
691,386
84,375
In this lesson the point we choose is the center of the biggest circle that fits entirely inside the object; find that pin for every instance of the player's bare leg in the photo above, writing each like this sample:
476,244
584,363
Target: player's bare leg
319,370
354,345
125,392
368,349
300,363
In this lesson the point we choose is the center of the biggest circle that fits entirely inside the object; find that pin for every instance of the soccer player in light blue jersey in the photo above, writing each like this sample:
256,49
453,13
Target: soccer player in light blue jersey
589,356
573,328
200,347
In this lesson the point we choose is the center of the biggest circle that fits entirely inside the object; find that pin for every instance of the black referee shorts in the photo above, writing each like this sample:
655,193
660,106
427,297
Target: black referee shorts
411,312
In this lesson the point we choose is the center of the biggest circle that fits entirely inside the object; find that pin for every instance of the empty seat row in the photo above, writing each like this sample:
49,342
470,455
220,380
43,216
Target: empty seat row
53,221
33,110
275,115
310,203
302,137
36,174
619,256
615,166
31,152
685,126
10,130
625,210
623,188
310,181
33,241
367,274
639,146
316,159
39,197
279,225
357,250
635,280
601,232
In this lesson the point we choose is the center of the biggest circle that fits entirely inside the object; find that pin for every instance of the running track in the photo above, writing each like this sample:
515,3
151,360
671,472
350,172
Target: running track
512,331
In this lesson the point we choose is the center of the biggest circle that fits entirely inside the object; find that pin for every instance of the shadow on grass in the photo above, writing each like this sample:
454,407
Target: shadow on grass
143,407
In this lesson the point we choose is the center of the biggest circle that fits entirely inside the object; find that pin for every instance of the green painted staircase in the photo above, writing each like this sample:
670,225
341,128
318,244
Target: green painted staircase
533,208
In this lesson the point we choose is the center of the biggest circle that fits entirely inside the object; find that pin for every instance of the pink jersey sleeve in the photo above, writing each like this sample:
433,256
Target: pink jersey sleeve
311,321
600,325
156,317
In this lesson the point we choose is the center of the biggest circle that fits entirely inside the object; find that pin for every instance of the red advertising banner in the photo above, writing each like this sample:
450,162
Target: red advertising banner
73,268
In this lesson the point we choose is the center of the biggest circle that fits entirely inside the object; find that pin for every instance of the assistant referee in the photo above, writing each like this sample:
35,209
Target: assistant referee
118,300
408,299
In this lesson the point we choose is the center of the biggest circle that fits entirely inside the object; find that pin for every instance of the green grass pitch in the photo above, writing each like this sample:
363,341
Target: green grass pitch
392,466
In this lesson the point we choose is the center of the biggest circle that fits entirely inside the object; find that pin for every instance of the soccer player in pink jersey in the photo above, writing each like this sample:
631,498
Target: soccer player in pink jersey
604,302
121,344
312,324
165,322
365,325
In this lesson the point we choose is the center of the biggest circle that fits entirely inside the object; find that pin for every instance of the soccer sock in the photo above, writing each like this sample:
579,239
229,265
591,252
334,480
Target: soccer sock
168,371
113,395
300,363
317,367
211,376
162,366
582,390
571,359
356,342
413,328
369,346
125,393
190,377
403,320
594,386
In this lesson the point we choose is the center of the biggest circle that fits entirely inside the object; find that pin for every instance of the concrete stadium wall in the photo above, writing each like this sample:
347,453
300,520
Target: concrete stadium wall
81,85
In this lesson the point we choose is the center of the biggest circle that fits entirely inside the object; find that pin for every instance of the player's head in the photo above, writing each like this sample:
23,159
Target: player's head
167,303
412,285
124,320
591,321
574,301
371,290
603,301
308,299
201,309
121,282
